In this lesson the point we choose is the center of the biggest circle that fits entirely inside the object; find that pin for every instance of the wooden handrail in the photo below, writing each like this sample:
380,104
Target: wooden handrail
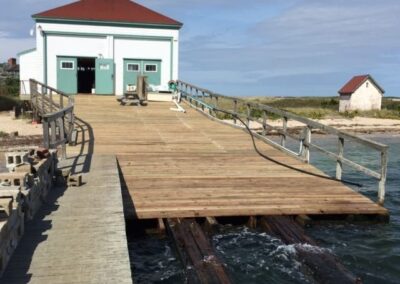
57,117
199,95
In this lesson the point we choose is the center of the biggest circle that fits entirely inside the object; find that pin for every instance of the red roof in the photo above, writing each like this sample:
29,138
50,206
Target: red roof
124,11
352,85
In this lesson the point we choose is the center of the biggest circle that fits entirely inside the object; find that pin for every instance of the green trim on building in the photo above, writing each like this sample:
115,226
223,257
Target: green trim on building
172,60
45,58
99,35
106,23
26,51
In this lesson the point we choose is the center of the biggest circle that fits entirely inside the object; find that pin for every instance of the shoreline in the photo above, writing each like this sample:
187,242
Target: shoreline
357,125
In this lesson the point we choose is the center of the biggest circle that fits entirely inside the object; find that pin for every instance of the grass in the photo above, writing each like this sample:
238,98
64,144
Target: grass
311,107
328,107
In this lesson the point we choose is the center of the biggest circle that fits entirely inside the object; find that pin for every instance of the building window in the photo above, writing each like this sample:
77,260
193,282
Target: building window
104,66
367,84
67,65
151,68
133,67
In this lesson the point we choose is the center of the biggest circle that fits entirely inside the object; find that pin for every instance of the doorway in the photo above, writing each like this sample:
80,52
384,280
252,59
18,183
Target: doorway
86,75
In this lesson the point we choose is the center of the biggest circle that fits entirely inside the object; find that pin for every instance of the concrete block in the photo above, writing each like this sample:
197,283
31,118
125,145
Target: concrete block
15,159
14,179
74,180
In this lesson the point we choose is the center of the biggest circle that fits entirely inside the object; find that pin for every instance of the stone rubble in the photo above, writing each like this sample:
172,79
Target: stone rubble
22,191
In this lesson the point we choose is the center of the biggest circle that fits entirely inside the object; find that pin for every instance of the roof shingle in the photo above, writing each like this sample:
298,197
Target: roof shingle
124,11
355,82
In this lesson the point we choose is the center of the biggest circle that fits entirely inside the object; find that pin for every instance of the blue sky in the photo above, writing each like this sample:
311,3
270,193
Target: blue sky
262,47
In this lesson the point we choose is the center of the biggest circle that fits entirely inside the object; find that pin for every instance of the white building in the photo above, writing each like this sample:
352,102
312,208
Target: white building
360,93
101,46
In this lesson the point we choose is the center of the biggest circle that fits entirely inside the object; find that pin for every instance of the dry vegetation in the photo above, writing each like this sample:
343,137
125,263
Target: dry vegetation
315,108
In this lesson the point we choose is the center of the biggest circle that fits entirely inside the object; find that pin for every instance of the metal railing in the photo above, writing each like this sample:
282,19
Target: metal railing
209,102
56,111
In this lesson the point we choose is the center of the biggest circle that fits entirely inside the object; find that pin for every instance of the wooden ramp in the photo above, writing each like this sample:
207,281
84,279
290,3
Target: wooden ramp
78,235
186,165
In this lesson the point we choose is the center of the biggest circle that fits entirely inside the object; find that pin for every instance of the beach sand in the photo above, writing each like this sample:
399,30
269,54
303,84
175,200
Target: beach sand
356,124
23,126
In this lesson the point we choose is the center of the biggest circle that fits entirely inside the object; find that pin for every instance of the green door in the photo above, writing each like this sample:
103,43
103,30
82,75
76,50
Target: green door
132,69
152,69
136,67
104,76
67,75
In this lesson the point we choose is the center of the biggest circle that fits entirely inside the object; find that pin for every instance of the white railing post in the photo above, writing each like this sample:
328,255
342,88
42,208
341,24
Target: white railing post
339,164
382,181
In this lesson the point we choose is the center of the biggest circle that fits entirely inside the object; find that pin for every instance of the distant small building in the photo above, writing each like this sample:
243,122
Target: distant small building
360,93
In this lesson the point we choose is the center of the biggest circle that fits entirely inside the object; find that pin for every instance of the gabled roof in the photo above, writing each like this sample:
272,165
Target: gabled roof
352,85
119,11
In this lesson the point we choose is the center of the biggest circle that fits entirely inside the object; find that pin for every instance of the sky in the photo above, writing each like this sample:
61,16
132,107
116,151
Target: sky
261,47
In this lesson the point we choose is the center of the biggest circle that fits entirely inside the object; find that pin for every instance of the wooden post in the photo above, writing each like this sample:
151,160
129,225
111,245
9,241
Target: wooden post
61,101
211,103
60,124
234,110
53,133
51,101
339,165
46,137
382,181
248,114
306,142
42,97
264,132
283,138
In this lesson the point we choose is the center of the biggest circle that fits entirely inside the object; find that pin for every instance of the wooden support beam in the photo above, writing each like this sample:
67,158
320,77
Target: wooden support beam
303,220
252,222
323,266
161,226
210,224
196,251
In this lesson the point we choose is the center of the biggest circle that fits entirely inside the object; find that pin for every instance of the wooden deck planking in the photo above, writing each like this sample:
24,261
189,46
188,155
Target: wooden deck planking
185,165
78,236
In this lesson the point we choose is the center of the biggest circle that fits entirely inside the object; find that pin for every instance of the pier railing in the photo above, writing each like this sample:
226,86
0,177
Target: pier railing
56,110
253,113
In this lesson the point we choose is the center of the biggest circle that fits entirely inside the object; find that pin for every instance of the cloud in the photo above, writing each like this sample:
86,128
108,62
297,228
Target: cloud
290,47
310,41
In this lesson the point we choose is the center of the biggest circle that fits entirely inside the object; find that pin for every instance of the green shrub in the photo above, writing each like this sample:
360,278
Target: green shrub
8,102
9,87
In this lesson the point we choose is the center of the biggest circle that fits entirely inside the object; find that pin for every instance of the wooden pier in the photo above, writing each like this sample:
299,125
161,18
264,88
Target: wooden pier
78,236
153,163
177,165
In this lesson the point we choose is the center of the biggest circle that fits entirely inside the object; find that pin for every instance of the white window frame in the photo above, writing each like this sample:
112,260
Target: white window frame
104,66
67,61
154,64
137,64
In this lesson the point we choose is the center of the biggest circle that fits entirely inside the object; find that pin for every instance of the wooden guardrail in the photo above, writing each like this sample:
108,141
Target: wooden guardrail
210,102
56,110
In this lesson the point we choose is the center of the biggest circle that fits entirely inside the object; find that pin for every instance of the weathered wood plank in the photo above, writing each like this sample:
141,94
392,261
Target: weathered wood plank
323,266
196,251
185,165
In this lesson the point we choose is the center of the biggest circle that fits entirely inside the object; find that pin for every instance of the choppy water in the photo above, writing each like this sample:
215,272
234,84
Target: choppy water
372,252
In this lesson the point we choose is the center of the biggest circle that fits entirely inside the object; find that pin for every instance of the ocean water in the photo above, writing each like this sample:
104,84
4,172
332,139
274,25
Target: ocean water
371,252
